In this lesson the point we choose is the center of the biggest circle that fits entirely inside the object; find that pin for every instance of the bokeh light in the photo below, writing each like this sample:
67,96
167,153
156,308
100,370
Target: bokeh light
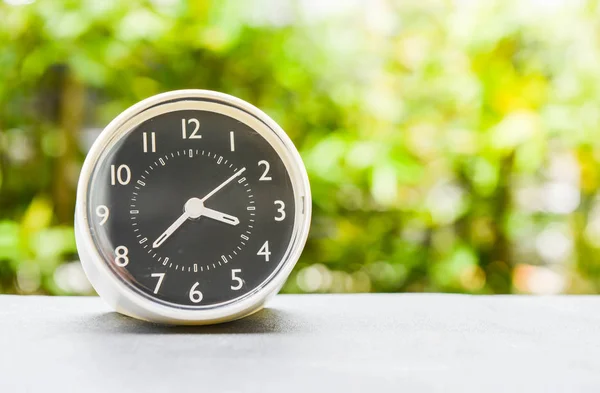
452,146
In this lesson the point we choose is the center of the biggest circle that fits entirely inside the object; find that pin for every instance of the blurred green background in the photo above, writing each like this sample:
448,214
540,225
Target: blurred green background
452,146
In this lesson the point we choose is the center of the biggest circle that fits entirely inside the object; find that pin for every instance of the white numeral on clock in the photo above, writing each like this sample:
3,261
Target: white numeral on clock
280,210
231,141
152,142
265,174
102,212
239,281
195,295
121,258
264,250
122,174
161,277
184,131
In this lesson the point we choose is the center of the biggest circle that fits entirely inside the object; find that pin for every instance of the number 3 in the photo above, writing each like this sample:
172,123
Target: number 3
280,210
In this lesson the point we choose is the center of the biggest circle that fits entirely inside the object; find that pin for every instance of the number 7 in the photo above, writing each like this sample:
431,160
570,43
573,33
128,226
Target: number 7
160,276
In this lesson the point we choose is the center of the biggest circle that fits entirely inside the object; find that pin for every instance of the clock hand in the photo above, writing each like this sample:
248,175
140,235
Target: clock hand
192,209
217,215
174,226
223,184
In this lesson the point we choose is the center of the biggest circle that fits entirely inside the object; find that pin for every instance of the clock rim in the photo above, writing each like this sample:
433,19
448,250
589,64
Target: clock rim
130,300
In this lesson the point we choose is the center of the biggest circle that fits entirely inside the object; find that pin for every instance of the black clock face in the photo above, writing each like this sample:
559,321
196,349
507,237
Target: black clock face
192,207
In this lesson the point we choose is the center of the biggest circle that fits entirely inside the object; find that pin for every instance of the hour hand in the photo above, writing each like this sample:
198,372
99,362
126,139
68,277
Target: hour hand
217,215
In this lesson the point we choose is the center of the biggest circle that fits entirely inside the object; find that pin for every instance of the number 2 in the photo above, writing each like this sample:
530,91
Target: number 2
265,174
184,129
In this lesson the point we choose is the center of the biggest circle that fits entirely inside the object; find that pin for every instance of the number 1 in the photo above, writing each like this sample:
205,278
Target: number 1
231,141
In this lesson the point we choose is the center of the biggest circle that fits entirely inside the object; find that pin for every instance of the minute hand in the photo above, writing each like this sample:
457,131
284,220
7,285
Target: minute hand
169,231
213,192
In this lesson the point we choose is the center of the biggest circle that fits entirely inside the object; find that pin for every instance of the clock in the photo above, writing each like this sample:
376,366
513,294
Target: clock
192,208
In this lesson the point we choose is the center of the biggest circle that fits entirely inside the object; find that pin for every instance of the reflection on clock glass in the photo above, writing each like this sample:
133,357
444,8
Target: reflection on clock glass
192,207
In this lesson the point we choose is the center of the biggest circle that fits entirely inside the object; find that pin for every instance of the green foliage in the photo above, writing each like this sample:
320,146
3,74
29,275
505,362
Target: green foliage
451,146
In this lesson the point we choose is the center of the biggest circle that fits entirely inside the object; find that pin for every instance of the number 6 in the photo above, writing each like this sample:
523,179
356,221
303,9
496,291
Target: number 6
195,296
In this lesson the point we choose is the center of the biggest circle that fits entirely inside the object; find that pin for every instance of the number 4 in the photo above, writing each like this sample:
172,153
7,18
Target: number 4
264,250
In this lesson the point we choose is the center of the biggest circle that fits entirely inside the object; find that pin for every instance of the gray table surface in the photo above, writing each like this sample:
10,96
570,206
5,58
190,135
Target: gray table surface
310,343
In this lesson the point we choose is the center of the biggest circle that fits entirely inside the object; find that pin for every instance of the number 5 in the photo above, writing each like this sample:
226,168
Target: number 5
239,281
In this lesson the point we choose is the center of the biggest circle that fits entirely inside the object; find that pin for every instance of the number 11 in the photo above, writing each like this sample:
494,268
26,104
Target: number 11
152,142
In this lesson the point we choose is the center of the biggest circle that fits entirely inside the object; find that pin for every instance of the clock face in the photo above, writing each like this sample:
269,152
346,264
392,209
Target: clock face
193,205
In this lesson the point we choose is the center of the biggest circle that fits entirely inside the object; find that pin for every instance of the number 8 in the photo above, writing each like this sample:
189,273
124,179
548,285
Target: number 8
122,259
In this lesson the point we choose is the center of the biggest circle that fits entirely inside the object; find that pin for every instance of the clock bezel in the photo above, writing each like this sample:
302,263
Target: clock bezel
130,300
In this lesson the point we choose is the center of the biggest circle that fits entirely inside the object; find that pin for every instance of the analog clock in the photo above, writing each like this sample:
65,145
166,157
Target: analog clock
192,207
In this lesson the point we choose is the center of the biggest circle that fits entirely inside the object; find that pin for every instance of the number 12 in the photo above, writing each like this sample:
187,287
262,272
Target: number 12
184,132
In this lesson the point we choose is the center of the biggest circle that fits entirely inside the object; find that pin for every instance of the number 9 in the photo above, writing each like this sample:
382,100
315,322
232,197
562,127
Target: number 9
102,212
